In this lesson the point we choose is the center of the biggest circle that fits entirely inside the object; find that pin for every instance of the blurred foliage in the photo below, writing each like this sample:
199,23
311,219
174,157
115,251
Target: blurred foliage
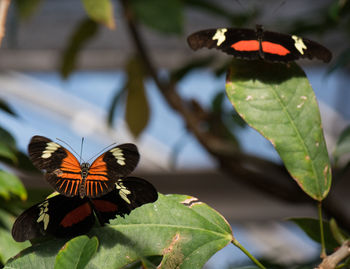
85,31
100,11
166,17
312,228
26,9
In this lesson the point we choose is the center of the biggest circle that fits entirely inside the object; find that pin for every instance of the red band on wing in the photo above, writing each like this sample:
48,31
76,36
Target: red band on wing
76,215
246,45
105,206
274,48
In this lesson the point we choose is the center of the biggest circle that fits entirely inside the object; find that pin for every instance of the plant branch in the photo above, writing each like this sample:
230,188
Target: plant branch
331,261
4,5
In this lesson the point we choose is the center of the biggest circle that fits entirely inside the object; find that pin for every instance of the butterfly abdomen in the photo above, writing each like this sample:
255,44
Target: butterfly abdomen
84,173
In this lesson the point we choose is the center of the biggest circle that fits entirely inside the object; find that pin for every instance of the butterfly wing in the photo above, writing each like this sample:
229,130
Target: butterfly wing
62,169
59,216
109,167
130,193
296,46
241,43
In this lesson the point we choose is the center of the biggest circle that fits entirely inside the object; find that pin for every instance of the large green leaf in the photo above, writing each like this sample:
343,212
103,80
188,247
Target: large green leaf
183,230
85,31
137,108
8,246
278,101
76,253
11,185
164,16
100,11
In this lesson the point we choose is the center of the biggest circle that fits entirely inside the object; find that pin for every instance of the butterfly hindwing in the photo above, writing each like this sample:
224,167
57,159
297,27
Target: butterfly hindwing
63,216
130,193
60,216
109,167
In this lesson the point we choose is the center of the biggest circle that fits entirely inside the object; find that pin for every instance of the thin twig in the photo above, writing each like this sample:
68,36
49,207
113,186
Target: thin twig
4,5
246,252
323,245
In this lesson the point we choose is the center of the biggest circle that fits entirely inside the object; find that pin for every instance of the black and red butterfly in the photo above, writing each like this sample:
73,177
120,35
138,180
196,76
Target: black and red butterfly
257,44
63,216
70,178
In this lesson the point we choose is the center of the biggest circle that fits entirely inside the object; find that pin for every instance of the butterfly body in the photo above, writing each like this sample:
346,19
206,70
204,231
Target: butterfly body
254,44
70,178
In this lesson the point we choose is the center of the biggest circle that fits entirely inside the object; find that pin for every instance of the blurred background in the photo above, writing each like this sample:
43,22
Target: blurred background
65,76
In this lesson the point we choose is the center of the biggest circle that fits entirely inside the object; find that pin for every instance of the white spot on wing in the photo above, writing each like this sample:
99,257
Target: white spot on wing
299,44
220,36
50,148
118,154
43,214
123,191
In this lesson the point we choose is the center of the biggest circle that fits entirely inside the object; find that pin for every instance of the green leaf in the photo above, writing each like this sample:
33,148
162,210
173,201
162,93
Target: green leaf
164,16
183,230
277,100
85,31
10,184
27,8
337,233
76,253
7,152
100,11
7,139
137,109
8,246
312,228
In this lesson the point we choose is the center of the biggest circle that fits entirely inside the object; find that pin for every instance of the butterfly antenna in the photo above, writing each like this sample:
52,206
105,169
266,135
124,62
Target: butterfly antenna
81,149
64,142
102,151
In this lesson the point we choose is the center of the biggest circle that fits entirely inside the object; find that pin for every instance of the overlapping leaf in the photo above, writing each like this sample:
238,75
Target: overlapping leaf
278,101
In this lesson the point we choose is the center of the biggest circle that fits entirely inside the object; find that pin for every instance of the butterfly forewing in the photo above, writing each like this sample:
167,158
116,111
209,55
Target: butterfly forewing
63,170
109,167
64,173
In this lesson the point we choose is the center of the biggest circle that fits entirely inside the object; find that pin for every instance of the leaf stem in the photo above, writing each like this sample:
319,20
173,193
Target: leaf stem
323,245
246,252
